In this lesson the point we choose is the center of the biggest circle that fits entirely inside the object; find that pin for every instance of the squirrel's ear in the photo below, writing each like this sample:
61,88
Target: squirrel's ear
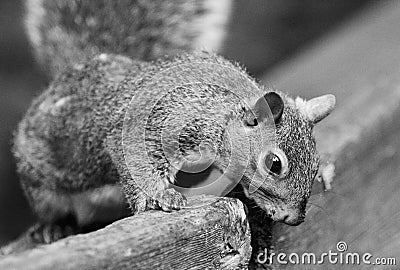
275,104
320,107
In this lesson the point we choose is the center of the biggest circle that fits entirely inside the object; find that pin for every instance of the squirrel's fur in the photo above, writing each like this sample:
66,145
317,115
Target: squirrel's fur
65,143
101,130
70,31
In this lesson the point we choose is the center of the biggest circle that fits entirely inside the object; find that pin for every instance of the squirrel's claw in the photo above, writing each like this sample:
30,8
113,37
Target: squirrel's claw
326,174
170,199
37,235
49,233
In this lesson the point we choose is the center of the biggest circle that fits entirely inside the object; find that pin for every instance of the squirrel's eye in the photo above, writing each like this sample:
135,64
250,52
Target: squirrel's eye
274,162
252,122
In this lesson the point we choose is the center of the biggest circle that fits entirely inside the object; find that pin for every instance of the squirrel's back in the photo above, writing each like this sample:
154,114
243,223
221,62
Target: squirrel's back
70,121
64,32
69,142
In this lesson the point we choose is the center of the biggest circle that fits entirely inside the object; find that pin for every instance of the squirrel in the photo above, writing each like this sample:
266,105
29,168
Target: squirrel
101,137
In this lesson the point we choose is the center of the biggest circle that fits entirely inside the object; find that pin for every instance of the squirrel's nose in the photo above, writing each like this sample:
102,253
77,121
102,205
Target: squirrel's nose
287,215
291,217
294,220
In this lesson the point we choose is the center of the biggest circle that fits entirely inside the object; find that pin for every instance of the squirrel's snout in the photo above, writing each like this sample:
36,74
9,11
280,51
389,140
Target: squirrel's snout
294,220
289,217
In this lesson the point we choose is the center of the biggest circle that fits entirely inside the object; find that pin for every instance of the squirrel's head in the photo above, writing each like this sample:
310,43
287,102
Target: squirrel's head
283,160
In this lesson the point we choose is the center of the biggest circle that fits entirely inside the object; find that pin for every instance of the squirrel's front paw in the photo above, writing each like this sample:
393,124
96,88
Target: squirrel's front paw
170,199
49,233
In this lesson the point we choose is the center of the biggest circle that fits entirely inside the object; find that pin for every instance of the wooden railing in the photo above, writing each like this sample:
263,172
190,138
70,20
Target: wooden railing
213,234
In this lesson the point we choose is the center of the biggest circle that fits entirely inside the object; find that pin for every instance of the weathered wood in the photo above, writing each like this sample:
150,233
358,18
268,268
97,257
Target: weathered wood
212,233
360,64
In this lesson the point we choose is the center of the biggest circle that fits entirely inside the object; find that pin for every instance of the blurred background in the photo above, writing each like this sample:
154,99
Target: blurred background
262,34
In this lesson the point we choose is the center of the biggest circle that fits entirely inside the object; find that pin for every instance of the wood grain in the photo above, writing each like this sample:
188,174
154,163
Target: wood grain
360,64
212,233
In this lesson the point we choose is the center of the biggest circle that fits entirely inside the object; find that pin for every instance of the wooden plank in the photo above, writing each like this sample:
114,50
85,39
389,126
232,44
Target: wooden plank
212,233
360,64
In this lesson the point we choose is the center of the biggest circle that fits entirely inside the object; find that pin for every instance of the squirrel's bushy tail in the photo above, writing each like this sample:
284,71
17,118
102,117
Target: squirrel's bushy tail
67,31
